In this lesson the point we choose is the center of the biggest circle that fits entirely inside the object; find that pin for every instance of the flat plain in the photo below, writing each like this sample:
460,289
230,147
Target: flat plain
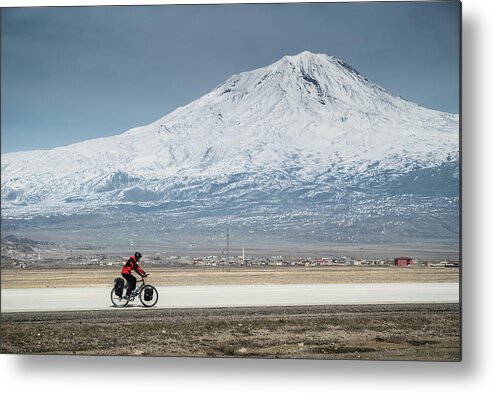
429,332
378,332
86,277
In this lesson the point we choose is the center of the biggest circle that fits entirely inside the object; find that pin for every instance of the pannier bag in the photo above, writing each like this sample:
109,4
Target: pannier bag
148,292
119,285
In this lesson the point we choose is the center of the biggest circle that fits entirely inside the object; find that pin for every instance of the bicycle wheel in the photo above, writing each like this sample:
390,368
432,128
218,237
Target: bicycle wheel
153,300
117,300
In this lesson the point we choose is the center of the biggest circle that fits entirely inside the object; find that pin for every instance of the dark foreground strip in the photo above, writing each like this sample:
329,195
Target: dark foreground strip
429,332
133,312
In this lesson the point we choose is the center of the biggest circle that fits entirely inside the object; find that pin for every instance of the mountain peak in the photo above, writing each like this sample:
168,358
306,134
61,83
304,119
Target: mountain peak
307,55
307,77
307,58
307,133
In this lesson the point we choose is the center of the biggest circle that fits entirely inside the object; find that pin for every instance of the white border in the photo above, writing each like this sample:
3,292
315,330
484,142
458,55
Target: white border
94,374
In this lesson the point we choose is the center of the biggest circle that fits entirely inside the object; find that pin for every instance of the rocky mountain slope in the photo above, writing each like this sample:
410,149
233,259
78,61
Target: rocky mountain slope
306,148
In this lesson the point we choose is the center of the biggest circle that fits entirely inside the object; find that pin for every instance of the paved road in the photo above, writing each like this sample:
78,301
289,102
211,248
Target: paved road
72,299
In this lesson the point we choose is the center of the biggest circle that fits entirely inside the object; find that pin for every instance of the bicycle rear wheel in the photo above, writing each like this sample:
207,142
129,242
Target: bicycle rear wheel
150,302
117,300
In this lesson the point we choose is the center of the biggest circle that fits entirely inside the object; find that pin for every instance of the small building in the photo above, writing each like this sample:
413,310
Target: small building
320,262
403,261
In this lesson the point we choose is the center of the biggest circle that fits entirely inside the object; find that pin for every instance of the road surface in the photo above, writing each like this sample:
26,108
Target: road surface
74,299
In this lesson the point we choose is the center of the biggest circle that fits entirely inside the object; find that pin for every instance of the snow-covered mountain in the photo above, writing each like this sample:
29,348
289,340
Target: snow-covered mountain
306,147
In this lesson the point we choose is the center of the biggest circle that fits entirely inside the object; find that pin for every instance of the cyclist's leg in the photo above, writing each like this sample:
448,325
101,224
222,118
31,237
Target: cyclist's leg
133,284
131,280
126,279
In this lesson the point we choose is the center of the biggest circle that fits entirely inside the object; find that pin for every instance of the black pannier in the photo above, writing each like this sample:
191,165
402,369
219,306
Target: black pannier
148,292
119,285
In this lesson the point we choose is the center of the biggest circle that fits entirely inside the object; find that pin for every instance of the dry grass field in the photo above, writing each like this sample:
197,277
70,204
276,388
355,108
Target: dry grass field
103,277
380,332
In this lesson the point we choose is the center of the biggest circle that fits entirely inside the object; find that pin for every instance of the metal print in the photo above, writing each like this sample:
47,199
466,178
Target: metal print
236,180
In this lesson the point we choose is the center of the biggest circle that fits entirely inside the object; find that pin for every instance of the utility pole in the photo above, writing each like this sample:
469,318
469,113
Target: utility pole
227,244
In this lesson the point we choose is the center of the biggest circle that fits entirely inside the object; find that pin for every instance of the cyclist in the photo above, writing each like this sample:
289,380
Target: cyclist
132,264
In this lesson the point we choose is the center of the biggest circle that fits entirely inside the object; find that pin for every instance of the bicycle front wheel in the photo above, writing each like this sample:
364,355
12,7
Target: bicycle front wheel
117,300
148,296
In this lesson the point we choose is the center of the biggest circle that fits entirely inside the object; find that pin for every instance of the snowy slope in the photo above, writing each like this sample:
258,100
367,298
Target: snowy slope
304,131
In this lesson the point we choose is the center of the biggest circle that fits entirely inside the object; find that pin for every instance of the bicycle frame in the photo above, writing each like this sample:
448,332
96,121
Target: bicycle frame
137,289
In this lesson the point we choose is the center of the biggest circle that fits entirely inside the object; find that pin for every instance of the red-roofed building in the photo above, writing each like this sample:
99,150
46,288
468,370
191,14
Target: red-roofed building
403,261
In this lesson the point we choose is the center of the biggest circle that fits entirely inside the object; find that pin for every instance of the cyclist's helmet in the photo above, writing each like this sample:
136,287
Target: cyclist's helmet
138,255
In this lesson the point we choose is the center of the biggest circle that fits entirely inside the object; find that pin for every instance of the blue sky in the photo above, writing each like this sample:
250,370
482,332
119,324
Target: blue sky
76,73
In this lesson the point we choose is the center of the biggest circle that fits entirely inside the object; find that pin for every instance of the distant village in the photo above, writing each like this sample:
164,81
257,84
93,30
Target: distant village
26,253
214,261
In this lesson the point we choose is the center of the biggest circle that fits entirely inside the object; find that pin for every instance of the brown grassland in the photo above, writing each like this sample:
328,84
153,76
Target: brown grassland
377,332
103,276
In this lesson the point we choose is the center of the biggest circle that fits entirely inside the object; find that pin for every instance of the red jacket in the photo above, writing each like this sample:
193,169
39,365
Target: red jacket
130,265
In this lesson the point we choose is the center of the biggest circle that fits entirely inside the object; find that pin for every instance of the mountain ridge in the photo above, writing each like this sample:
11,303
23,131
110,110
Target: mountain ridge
308,127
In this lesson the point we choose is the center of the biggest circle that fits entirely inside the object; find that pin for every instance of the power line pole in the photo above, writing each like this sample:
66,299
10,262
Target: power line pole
227,243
